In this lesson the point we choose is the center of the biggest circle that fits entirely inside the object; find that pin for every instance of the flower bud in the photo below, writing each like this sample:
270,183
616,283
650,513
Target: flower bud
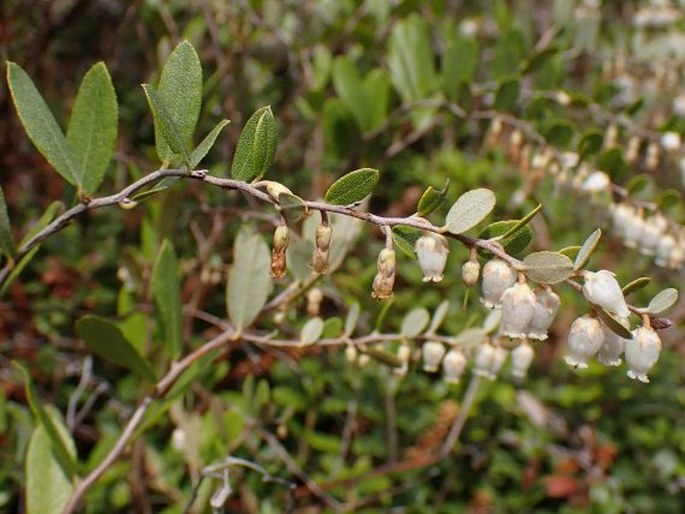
596,182
518,306
584,341
314,299
433,352
384,280
546,306
498,276
453,366
602,289
670,141
470,272
521,359
488,361
363,360
642,352
431,251
281,240
403,354
351,353
633,149
653,154
612,346
322,240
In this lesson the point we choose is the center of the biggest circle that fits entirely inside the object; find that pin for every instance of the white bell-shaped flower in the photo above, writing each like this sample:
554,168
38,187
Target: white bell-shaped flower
596,182
664,248
521,359
632,232
621,215
601,288
453,366
431,251
677,256
584,341
546,306
670,141
488,360
652,230
432,352
612,346
642,352
518,306
498,276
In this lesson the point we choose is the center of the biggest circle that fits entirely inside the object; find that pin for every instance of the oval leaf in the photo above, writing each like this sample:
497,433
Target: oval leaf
469,338
353,187
106,340
570,251
469,210
206,144
249,282
7,246
292,207
256,146
352,318
166,291
548,267
168,135
513,244
613,324
439,316
311,331
414,322
92,130
586,250
40,124
431,199
663,301
636,285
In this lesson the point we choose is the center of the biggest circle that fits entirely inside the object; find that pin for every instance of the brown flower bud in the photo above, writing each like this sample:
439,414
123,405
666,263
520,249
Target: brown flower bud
281,240
384,280
322,239
470,273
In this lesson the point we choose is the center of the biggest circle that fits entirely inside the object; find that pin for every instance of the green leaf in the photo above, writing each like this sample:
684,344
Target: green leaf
612,323
414,322
249,283
638,183
586,250
92,131
7,246
40,124
353,187
60,448
48,487
201,151
431,199
168,135
311,331
469,210
106,340
180,91
299,258
162,185
405,239
522,222
166,292
507,95
513,244
590,143
547,267
256,146
636,285
410,59
559,133
438,316
352,318
459,64
332,327
292,207
663,301
570,251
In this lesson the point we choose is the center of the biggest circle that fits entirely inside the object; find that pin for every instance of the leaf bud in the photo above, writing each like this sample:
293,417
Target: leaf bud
384,280
584,341
470,272
322,241
601,288
281,240
314,299
518,307
431,251
498,276
642,352
432,352
546,306
453,366
521,359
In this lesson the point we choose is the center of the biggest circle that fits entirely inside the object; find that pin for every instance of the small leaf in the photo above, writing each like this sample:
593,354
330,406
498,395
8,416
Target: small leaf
299,258
559,133
470,338
92,130
383,357
459,64
353,187
410,59
311,331
249,282
513,244
521,223
469,210
40,124
548,267
180,91
570,251
636,285
405,239
166,291
438,316
201,151
7,246
638,183
663,301
586,250
414,322
508,94
292,207
256,146
590,143
612,323
48,487
431,199
106,340
352,318
169,137
332,327
162,185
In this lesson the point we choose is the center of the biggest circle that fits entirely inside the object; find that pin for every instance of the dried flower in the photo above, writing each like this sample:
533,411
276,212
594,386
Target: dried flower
546,306
384,280
322,240
470,272
281,240
642,352
453,366
584,341
602,289
433,352
518,306
521,359
498,276
431,251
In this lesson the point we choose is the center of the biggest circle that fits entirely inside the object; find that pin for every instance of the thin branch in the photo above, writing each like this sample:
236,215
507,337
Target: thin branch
460,421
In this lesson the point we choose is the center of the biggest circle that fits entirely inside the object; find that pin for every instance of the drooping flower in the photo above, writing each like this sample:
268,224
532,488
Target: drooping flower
546,306
584,341
521,359
453,366
642,352
601,288
384,280
431,251
470,272
488,360
433,352
498,276
612,346
281,240
518,307
322,239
